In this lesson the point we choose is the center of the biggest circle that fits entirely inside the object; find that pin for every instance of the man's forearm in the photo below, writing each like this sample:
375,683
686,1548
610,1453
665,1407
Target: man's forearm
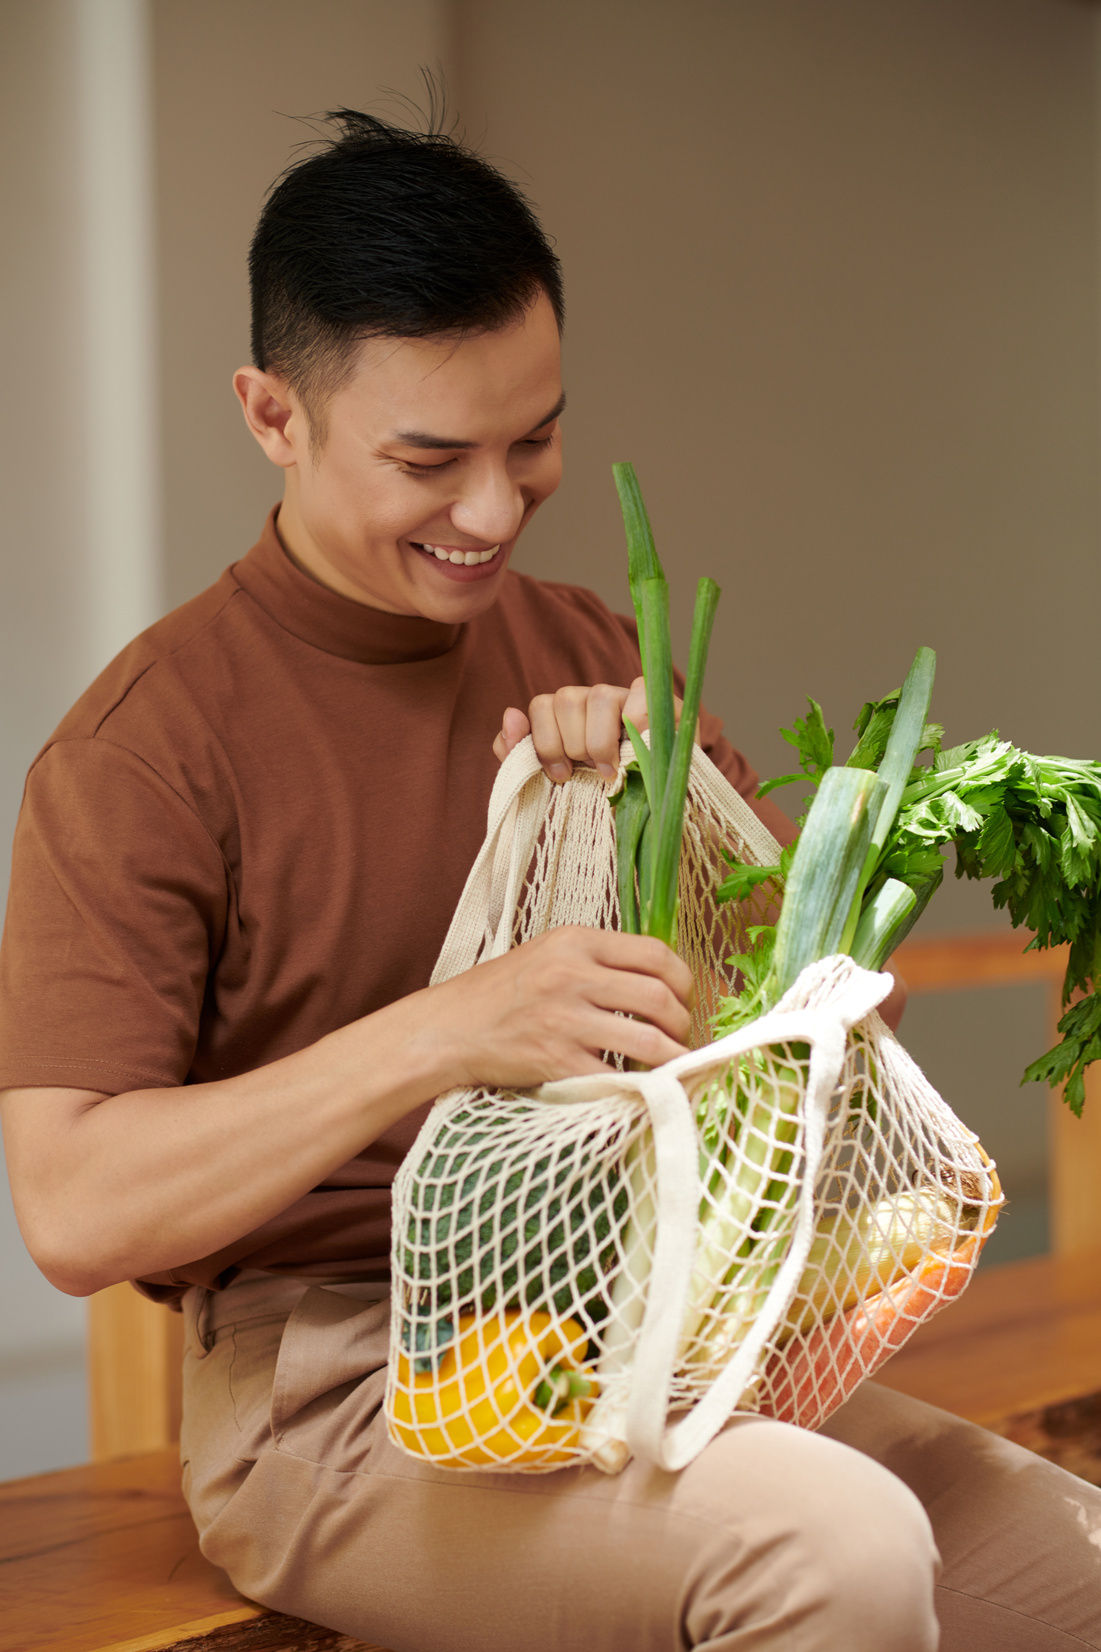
115,1187
151,1179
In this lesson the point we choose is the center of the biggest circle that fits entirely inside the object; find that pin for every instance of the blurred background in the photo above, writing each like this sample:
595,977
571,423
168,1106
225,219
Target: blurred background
832,284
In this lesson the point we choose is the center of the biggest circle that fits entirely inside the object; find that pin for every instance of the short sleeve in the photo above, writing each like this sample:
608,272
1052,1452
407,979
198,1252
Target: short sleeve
116,911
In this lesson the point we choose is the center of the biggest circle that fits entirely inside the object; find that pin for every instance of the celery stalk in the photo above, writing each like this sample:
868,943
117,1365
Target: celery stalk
895,769
736,1207
823,883
605,1429
882,918
887,918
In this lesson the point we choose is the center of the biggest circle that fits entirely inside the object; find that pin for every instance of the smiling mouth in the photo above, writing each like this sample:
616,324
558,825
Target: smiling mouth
469,559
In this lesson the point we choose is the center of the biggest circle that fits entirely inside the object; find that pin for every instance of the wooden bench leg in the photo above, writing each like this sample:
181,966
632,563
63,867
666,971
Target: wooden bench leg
135,1362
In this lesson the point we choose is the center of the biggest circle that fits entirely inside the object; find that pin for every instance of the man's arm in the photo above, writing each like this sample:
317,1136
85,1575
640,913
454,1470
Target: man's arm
113,1187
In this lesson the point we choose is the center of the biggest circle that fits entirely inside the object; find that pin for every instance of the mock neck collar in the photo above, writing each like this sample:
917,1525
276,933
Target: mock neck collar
334,623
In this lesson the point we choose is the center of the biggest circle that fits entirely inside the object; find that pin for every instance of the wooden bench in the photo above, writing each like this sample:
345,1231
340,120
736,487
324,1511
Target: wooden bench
104,1558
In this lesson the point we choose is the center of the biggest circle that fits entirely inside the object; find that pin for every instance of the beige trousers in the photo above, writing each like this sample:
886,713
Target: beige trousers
774,1538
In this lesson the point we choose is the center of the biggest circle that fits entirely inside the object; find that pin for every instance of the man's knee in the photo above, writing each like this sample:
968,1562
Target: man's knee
830,1549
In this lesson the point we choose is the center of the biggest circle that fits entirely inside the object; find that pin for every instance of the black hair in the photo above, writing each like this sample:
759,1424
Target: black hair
389,233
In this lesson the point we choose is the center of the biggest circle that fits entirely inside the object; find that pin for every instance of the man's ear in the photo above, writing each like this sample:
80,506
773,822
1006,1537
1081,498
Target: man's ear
273,415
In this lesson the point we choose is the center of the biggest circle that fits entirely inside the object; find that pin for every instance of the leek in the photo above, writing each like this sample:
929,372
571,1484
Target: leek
827,908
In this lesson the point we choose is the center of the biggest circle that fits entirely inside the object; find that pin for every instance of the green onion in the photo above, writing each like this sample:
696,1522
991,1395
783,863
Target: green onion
632,813
650,824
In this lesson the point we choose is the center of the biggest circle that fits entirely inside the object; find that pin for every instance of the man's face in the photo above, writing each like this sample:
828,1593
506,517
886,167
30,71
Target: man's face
436,455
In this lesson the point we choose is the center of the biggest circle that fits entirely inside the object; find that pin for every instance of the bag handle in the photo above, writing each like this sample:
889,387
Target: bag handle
482,924
825,1029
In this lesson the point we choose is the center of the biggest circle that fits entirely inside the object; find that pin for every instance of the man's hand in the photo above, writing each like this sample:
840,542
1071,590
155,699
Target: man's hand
546,1009
576,725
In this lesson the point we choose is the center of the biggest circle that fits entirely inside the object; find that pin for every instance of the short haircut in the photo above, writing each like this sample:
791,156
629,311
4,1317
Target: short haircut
387,233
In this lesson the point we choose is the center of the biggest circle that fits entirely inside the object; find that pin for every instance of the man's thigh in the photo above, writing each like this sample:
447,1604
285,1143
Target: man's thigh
1020,1539
768,1539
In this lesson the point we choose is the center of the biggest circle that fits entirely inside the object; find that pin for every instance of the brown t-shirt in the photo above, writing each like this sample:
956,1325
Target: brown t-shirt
254,828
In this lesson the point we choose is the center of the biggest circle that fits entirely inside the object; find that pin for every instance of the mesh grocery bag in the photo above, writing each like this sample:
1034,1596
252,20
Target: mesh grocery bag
614,1264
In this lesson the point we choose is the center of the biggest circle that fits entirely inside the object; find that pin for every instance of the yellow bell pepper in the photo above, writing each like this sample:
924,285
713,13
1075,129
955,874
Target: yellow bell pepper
509,1390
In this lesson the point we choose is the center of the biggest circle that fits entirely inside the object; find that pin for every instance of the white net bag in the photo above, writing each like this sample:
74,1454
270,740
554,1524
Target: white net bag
614,1264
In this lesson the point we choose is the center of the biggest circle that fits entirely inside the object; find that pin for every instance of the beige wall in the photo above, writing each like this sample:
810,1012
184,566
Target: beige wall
44,655
832,285
43,661
229,77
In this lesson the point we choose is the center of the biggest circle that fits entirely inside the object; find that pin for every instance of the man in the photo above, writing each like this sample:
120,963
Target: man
236,862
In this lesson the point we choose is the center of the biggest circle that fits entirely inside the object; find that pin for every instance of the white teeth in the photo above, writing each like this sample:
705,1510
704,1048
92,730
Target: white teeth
469,559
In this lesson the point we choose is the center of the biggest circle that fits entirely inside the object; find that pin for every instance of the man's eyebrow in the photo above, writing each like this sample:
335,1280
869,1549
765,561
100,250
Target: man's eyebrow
421,438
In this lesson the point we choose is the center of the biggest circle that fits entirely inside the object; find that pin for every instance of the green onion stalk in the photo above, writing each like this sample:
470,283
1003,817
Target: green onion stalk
650,808
649,825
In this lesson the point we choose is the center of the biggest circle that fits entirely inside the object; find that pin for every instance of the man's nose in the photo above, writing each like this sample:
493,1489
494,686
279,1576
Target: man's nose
491,506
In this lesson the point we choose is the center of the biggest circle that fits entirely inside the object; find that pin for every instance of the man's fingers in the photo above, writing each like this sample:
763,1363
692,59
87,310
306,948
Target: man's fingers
604,727
634,709
643,955
640,1041
578,725
647,997
636,1040
570,713
547,735
554,1005
514,728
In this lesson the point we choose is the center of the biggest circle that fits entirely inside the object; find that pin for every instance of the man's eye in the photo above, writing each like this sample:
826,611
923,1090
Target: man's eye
413,468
